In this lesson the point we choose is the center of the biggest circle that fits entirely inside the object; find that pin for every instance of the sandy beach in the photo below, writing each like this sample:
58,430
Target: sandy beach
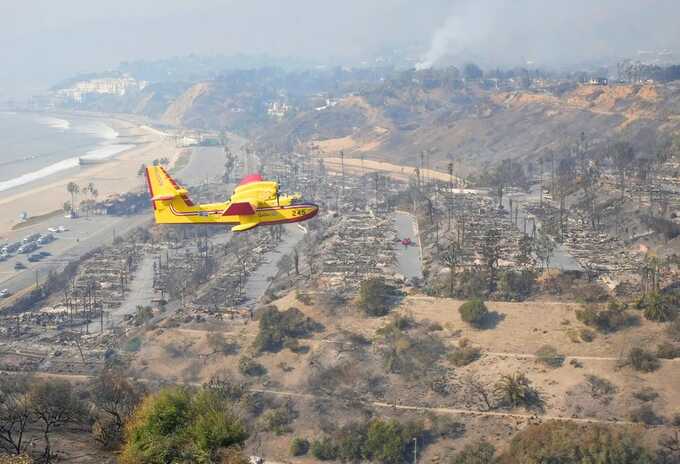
113,176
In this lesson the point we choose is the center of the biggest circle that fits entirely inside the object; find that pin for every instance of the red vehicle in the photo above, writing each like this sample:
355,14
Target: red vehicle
406,242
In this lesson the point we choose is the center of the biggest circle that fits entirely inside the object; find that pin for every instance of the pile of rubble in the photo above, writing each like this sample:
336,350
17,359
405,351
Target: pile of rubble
358,246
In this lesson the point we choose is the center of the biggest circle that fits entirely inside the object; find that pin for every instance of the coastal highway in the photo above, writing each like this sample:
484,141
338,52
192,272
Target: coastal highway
87,233
84,234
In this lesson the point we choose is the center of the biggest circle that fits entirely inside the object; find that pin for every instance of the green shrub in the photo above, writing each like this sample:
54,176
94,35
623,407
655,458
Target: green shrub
600,386
388,441
411,355
641,360
645,414
278,420
657,307
646,394
295,346
516,390
587,335
173,425
611,319
464,354
275,327
248,366
375,297
219,344
473,312
480,452
324,449
567,442
515,285
299,446
549,356
352,441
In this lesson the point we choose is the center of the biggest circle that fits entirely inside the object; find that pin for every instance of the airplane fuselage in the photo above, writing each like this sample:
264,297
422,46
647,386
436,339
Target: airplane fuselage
213,213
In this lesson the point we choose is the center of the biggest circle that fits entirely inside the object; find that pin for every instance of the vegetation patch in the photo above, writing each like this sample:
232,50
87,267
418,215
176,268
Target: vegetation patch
480,452
645,414
474,312
516,390
464,354
614,317
641,360
299,446
248,366
378,440
600,387
411,353
566,442
667,350
549,356
376,297
276,327
174,425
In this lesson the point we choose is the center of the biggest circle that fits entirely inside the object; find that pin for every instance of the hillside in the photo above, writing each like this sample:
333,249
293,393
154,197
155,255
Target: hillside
477,126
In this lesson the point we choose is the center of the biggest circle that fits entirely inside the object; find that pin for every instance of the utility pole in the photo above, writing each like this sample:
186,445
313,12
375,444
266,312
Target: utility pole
415,450
342,170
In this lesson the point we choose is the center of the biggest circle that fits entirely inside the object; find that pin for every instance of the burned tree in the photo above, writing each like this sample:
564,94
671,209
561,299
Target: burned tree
451,257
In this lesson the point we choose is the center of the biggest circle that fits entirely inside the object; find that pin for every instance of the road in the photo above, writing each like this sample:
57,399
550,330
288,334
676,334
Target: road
258,282
561,258
84,234
87,233
140,293
409,258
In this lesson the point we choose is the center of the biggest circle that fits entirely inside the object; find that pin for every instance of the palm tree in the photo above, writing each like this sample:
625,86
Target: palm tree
516,390
656,308
451,258
73,189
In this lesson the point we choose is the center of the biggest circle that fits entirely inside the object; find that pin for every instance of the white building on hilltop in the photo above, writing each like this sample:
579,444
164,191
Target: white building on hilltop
118,86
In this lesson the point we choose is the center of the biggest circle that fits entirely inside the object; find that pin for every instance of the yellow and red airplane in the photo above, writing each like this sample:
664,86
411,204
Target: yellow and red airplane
255,202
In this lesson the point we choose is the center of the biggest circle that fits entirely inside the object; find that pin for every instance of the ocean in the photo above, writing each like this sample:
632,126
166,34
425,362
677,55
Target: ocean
34,146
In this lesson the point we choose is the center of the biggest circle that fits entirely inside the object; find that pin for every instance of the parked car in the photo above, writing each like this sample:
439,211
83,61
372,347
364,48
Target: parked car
27,248
44,253
4,293
3,257
12,247
18,266
54,230
62,229
46,238
34,257
31,238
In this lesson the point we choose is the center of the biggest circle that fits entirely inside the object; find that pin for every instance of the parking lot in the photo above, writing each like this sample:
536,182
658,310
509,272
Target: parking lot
83,234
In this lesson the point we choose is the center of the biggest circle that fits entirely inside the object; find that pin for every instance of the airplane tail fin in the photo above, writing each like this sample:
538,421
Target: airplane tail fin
164,190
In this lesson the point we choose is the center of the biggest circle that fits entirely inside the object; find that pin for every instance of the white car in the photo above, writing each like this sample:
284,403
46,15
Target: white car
62,229
54,230
4,293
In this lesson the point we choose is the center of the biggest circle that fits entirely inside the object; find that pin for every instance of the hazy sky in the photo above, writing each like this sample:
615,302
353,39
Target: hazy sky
42,41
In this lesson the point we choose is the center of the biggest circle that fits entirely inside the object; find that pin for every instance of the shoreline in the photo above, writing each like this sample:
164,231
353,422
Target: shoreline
113,175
